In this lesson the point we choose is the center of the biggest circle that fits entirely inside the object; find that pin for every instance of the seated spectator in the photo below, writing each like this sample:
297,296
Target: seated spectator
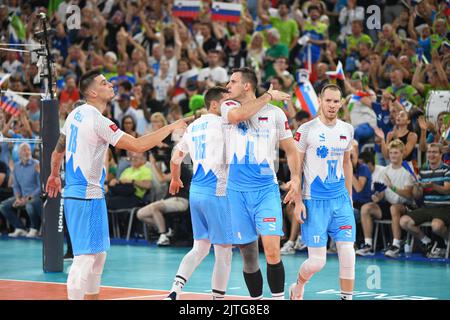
128,125
129,190
361,182
18,127
389,201
5,190
432,190
401,131
27,192
153,214
162,151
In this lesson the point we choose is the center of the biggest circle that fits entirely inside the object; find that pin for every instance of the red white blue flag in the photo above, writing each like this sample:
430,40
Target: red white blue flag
307,97
186,9
338,73
11,103
224,11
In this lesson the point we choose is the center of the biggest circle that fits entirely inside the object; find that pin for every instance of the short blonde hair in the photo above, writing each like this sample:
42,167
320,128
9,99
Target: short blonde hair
396,144
158,116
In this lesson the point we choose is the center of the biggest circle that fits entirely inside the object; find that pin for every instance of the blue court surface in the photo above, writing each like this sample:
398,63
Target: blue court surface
144,266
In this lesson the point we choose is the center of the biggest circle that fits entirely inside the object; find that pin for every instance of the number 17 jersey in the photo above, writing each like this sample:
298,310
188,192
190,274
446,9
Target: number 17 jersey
324,147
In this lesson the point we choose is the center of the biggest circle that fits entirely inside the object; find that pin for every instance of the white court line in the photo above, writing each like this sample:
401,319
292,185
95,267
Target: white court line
114,287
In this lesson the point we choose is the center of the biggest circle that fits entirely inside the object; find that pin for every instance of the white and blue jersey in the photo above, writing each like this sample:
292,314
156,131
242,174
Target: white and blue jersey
203,140
252,188
252,147
88,135
328,205
324,147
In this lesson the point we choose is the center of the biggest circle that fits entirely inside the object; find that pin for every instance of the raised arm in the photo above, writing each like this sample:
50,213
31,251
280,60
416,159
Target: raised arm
148,141
247,110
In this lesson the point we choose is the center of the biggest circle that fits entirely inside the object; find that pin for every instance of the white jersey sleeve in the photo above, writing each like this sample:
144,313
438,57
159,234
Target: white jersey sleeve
107,130
301,137
183,144
226,106
282,124
351,132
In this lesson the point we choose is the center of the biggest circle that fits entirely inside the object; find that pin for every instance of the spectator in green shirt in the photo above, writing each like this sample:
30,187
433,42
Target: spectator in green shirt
437,77
357,37
134,182
403,91
287,27
275,50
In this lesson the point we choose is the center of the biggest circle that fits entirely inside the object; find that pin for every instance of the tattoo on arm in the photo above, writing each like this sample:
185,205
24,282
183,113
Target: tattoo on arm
61,145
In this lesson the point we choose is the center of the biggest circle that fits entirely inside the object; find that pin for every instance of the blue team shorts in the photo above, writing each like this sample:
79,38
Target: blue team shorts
255,213
210,218
332,217
87,222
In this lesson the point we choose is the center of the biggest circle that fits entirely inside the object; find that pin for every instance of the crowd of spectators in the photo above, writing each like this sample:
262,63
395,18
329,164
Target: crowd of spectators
394,59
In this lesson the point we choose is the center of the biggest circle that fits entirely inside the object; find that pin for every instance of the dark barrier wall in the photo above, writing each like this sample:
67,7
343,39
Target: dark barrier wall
52,213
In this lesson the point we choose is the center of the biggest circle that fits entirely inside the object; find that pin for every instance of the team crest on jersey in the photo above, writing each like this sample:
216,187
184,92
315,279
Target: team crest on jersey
242,128
322,152
297,136
263,119
342,138
114,127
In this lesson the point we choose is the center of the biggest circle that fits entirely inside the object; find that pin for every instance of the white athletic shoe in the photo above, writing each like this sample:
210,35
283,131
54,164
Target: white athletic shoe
163,240
295,293
299,245
288,248
33,233
17,233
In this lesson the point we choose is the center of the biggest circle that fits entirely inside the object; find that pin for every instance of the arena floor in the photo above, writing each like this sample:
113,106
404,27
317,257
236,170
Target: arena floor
144,272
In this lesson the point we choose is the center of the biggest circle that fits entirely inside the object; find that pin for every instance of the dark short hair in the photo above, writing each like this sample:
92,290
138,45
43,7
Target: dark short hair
302,114
126,85
86,80
332,87
313,7
367,157
214,94
248,75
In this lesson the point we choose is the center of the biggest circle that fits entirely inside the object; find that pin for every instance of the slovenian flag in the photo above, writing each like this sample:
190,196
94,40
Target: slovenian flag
360,94
11,103
186,9
224,11
338,73
307,97
4,77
